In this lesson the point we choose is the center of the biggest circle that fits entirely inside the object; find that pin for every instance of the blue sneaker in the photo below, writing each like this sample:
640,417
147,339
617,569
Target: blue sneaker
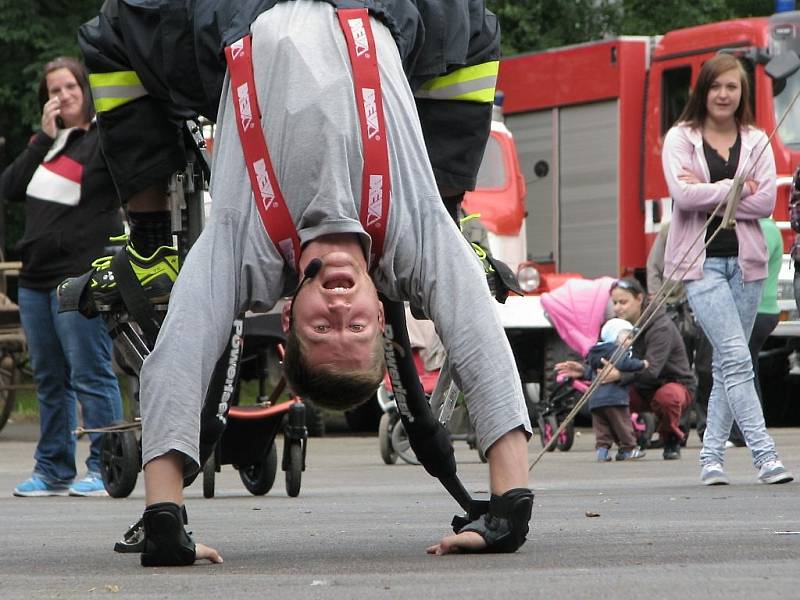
91,485
37,487
603,455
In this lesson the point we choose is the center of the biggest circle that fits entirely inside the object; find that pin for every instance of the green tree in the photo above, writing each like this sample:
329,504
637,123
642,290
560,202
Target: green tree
530,25
31,33
752,8
538,24
644,17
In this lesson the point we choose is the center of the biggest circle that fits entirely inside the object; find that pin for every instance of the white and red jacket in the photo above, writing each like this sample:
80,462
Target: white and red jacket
71,207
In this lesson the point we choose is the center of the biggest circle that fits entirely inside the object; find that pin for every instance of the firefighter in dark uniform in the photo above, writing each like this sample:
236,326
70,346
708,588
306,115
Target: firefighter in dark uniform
154,64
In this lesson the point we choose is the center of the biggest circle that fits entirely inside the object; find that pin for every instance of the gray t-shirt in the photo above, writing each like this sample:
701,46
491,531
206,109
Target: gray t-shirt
311,126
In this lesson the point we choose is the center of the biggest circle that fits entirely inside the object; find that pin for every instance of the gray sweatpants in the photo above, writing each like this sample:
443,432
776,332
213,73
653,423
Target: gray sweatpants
309,117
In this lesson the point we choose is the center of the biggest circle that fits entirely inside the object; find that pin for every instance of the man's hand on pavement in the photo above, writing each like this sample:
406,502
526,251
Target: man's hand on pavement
468,541
203,552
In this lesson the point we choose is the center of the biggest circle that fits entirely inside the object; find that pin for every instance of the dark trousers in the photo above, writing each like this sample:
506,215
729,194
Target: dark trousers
667,403
613,424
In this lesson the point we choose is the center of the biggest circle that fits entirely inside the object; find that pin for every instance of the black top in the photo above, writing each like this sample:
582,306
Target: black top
176,48
662,346
726,243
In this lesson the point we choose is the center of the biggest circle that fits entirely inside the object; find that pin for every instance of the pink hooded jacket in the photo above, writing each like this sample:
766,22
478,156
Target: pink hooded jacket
683,149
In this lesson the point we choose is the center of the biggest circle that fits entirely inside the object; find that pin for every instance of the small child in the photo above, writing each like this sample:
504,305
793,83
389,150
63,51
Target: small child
611,417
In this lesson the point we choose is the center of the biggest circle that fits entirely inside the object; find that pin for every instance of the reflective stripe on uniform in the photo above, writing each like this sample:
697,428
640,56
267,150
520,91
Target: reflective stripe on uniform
471,84
111,90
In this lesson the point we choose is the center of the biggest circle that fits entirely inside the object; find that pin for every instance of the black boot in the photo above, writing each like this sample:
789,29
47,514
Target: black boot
672,447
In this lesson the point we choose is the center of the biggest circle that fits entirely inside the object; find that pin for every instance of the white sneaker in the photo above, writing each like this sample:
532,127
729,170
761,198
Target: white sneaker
714,474
794,363
773,471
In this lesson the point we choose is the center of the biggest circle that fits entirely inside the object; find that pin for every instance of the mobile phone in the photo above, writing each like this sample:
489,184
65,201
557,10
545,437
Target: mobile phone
60,122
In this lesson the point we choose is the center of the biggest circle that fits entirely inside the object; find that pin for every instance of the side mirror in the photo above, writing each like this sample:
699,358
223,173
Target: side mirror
782,66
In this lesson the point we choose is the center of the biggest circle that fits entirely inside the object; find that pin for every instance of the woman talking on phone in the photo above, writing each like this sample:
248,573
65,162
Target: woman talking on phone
714,141
71,209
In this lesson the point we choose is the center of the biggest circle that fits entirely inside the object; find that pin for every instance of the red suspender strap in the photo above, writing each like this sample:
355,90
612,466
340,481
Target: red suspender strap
375,183
375,186
267,195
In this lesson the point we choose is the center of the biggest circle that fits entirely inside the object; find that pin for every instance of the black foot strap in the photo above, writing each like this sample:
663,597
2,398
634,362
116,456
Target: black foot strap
505,526
75,294
134,298
166,543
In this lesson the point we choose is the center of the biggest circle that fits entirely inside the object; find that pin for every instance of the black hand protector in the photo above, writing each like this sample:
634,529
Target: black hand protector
166,543
505,526
502,280
133,539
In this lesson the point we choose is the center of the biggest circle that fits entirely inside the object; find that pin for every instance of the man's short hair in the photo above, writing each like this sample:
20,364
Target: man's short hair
332,388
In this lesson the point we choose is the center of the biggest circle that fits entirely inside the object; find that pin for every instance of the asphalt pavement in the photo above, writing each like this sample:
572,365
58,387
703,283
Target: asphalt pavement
359,529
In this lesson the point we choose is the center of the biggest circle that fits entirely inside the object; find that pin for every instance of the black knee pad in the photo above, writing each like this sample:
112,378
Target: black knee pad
505,526
166,543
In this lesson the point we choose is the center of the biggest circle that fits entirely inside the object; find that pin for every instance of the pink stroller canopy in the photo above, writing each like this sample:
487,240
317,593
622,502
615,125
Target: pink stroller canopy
577,309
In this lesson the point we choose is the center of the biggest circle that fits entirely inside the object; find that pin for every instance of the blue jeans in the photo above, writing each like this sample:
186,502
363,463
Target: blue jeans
725,306
71,360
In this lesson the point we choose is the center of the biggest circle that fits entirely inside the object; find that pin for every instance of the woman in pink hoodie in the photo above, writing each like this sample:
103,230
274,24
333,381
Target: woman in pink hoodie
713,142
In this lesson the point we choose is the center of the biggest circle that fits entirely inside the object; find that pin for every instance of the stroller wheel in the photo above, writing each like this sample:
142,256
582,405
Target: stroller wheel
294,470
385,428
209,475
119,462
401,445
548,425
566,438
259,477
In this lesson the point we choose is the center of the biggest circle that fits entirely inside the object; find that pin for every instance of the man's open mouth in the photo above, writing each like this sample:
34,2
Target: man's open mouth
338,283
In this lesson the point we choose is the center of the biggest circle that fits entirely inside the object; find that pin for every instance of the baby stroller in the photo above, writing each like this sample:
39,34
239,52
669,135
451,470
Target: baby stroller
577,309
248,440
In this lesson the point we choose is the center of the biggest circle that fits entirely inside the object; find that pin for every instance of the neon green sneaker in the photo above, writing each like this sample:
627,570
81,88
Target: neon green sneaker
156,275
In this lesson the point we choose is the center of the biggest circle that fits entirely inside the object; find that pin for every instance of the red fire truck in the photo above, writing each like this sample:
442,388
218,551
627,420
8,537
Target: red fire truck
588,122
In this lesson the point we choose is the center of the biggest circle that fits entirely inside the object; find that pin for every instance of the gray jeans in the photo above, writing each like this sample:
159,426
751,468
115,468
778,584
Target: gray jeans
725,306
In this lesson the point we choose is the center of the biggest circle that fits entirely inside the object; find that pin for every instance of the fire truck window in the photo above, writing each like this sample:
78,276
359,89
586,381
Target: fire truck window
492,172
784,92
675,95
